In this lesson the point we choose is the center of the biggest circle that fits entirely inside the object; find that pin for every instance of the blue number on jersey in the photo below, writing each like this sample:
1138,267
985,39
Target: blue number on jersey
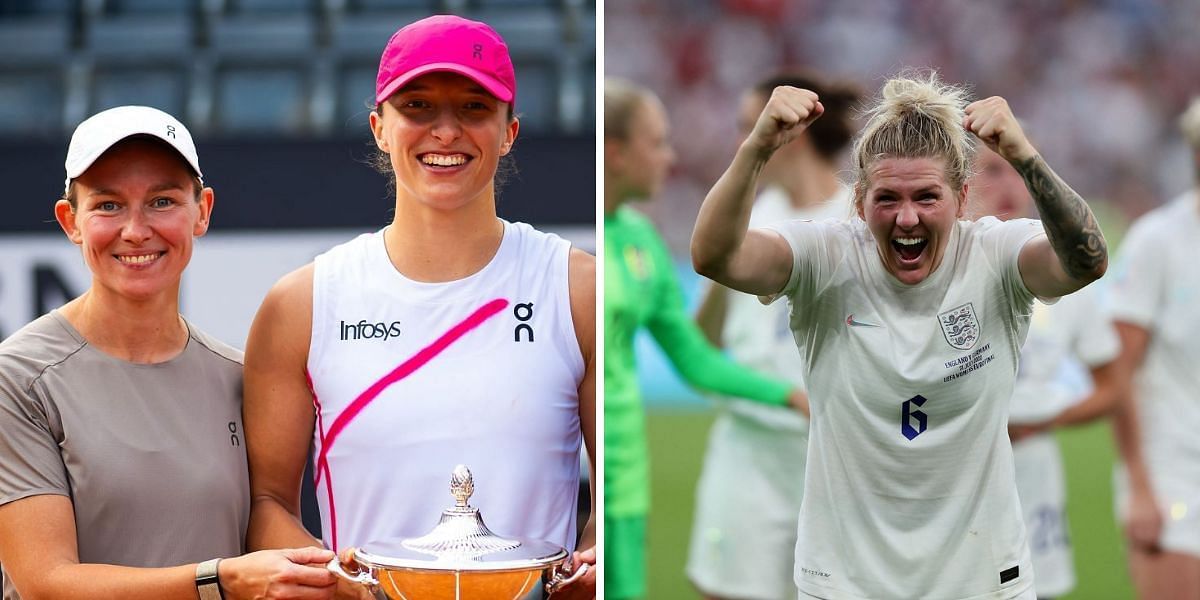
908,414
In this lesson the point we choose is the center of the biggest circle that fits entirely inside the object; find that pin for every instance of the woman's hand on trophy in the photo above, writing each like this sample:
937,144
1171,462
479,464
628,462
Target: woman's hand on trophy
579,586
346,589
291,574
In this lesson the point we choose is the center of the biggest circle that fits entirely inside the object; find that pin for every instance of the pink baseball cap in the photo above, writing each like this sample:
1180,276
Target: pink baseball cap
447,43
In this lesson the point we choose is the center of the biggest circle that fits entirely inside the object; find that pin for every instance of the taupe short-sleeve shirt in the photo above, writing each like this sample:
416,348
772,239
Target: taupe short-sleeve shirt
152,457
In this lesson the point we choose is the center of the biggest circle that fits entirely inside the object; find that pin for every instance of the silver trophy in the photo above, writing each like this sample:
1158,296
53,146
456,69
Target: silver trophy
460,559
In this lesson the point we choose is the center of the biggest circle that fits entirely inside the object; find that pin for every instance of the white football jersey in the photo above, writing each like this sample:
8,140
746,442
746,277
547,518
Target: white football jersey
909,490
412,378
1065,339
1157,286
1074,332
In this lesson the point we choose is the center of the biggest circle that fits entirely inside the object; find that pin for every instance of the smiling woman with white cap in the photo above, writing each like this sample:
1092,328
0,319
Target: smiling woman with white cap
122,469
450,336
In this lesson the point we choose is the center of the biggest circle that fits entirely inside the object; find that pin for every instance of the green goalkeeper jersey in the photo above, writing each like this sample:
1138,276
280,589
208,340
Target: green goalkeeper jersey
640,289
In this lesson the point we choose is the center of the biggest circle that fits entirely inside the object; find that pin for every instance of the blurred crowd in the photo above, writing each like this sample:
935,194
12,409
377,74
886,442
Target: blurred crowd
1098,83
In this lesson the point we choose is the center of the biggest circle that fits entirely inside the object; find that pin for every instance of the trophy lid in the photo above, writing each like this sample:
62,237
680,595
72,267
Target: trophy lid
461,541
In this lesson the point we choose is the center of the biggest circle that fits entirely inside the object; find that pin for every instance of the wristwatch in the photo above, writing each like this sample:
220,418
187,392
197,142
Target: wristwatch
207,583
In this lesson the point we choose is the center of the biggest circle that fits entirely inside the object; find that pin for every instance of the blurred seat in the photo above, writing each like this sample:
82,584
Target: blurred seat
31,101
137,52
262,96
536,32
257,33
164,34
136,7
35,46
537,94
161,84
34,37
25,8
262,55
362,35
355,97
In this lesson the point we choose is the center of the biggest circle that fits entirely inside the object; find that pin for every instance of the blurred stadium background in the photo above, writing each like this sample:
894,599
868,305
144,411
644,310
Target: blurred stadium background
1098,83
276,94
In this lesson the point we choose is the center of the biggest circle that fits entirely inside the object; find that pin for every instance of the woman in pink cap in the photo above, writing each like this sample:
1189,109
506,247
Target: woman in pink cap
122,458
450,336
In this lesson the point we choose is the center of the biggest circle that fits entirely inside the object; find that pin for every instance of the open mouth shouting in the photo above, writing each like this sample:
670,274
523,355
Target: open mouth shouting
438,161
909,250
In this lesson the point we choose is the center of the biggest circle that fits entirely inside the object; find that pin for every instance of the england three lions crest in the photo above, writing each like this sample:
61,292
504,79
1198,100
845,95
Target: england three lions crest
960,326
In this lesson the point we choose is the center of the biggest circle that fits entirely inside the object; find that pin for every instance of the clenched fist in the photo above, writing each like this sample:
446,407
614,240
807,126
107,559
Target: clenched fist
992,121
787,114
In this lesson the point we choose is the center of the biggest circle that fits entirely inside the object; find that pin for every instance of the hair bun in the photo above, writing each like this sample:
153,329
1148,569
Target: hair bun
916,116
923,94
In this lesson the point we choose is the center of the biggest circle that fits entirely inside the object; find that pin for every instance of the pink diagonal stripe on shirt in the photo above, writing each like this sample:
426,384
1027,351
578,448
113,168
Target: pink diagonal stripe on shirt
405,369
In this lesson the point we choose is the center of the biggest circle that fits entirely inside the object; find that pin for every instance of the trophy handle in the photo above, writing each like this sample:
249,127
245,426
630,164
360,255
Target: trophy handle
361,578
562,575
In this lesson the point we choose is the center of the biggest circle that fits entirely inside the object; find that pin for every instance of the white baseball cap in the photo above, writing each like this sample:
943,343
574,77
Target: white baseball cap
100,131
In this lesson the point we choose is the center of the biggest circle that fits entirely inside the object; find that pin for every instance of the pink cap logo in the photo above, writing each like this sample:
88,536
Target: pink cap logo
447,43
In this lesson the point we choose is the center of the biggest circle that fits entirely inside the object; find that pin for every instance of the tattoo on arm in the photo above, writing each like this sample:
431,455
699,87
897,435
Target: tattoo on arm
1069,223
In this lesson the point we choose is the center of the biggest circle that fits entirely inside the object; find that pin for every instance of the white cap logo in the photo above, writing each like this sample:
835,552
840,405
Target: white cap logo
99,132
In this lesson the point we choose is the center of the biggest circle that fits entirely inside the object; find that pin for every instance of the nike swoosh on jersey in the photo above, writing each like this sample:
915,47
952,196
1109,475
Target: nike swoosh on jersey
851,322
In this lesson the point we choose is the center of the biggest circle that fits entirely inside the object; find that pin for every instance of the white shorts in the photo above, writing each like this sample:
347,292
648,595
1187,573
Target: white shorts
1042,489
747,505
1178,503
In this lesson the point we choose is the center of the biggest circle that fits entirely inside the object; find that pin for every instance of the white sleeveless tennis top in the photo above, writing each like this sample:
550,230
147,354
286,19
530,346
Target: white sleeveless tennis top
410,379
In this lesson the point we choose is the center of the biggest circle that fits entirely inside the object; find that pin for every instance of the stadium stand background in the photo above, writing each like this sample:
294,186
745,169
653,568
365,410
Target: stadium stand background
276,94
1099,84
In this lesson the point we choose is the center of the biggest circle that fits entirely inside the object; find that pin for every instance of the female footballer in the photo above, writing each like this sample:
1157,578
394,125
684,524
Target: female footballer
909,323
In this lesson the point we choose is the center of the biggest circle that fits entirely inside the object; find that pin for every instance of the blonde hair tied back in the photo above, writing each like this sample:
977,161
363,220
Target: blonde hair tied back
916,116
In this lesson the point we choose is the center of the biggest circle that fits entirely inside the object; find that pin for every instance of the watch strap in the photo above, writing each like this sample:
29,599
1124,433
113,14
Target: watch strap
207,582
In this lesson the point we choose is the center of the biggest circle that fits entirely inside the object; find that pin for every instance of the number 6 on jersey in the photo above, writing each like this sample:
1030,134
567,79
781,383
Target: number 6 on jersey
908,413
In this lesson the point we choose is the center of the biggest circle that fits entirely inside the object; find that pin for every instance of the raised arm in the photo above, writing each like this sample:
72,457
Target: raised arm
756,261
1073,253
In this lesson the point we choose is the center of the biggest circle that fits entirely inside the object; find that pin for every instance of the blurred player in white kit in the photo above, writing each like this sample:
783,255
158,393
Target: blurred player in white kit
1155,294
749,493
